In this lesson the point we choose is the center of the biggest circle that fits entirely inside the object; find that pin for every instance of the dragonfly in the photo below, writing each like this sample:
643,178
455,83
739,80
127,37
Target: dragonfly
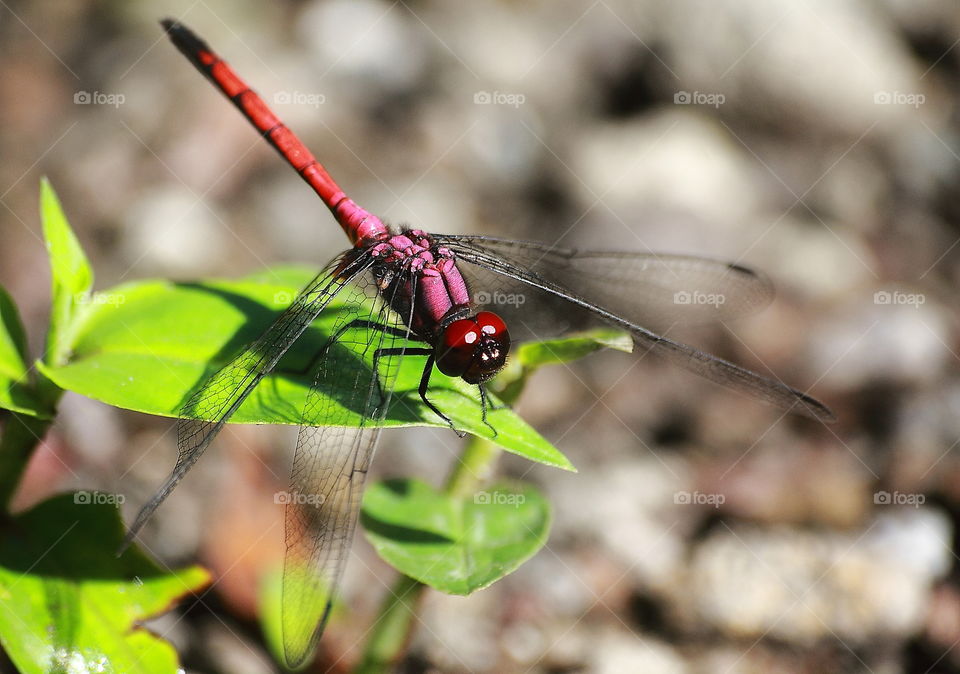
416,291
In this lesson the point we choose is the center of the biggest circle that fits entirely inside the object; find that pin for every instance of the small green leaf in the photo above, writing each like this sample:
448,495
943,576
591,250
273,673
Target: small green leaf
16,392
67,603
456,545
528,357
13,339
72,276
146,346
573,347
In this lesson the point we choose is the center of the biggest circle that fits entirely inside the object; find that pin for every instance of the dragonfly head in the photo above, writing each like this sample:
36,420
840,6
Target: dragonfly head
473,348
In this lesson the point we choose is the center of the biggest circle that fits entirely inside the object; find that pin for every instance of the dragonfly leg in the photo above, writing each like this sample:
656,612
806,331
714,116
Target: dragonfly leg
394,351
424,385
391,330
485,405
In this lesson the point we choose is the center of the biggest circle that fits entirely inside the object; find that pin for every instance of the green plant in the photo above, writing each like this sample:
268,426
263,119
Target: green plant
144,346
67,602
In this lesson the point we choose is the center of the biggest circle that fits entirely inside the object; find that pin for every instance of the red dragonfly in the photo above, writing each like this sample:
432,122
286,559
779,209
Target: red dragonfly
418,286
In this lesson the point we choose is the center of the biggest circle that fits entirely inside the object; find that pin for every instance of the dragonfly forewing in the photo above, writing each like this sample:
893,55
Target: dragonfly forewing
704,364
655,290
218,397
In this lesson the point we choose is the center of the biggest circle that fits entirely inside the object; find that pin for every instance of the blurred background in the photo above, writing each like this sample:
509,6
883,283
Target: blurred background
705,532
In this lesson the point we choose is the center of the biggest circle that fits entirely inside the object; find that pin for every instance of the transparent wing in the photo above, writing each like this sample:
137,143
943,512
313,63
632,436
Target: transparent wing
208,409
474,251
330,468
654,290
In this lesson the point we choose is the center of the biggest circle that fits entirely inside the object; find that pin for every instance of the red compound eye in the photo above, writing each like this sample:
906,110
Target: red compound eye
457,345
473,348
491,325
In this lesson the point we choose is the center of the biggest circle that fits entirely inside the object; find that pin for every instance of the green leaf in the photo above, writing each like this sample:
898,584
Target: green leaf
68,604
456,545
16,391
146,346
13,338
528,357
72,276
573,347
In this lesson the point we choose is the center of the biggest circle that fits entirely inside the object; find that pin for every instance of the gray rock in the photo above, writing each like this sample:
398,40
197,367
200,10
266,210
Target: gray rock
802,586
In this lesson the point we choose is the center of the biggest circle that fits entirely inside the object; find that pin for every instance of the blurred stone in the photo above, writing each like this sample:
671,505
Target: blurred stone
923,15
896,333
924,438
617,651
428,202
233,652
943,620
558,580
925,157
803,586
372,41
94,428
628,507
820,259
795,484
676,164
523,642
301,228
460,632
505,139
778,60
173,232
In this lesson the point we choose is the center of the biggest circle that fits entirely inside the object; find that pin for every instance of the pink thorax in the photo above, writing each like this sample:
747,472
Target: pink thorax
440,286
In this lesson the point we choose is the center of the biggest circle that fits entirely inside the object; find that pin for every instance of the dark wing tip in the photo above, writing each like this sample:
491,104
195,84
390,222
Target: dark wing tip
811,407
733,266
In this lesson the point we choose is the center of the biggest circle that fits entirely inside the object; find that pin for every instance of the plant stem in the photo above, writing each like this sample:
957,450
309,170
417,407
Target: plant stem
475,466
393,627
21,435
